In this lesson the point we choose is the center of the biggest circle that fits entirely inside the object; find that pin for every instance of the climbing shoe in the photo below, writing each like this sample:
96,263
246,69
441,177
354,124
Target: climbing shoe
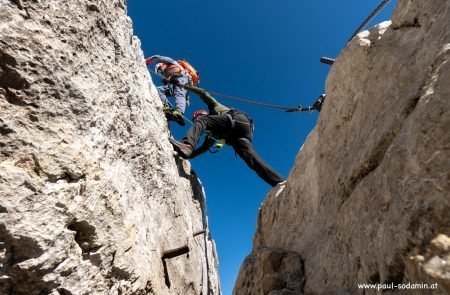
184,149
177,116
167,109
174,115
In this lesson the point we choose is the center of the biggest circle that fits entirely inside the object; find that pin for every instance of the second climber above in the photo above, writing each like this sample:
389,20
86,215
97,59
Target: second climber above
180,72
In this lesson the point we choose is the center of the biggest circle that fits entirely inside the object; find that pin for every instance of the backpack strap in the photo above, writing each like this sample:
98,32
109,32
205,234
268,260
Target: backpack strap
230,114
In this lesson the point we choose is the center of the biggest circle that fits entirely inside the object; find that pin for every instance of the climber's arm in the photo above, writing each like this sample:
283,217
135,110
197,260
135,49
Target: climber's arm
163,59
206,97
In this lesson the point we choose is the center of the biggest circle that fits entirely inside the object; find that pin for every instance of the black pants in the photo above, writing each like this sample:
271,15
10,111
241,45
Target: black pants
239,136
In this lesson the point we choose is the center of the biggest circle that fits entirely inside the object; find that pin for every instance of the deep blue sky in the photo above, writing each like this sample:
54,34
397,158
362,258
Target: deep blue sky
264,50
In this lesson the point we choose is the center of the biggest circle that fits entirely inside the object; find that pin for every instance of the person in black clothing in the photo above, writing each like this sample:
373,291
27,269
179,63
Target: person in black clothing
229,125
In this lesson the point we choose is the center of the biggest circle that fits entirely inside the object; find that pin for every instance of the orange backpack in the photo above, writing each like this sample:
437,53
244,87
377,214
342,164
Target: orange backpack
195,76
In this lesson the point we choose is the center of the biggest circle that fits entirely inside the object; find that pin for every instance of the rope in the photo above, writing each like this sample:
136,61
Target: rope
368,19
301,109
287,109
249,101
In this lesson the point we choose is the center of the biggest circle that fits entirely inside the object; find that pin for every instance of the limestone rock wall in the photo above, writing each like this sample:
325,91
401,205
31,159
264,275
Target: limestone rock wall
92,200
368,198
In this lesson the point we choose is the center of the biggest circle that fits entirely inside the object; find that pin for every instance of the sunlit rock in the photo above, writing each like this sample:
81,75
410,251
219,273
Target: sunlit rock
92,200
367,200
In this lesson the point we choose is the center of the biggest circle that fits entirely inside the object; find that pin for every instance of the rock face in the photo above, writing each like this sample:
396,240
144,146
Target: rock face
368,198
271,271
92,200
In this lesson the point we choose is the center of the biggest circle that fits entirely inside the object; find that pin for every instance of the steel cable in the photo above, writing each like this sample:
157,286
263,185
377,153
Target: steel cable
368,19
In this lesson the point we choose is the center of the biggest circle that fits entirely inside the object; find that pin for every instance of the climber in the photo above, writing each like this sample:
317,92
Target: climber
232,127
174,71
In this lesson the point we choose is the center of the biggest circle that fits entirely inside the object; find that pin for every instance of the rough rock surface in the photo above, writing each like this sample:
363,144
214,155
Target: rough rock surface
368,198
92,200
272,271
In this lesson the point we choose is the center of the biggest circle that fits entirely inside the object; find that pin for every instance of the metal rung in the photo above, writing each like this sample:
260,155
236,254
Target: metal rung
171,254
199,233
175,252
327,60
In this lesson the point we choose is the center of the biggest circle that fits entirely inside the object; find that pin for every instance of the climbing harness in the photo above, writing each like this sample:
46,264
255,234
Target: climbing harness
231,116
215,148
218,143
192,73
168,71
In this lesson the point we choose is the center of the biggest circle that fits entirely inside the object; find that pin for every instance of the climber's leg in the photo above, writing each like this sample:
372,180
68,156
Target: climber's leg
247,152
180,94
163,92
217,124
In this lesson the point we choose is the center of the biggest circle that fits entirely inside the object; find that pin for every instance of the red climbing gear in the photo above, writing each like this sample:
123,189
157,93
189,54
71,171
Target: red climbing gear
198,113
195,76
169,71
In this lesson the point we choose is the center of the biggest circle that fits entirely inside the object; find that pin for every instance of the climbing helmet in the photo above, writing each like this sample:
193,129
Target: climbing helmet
160,67
199,113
